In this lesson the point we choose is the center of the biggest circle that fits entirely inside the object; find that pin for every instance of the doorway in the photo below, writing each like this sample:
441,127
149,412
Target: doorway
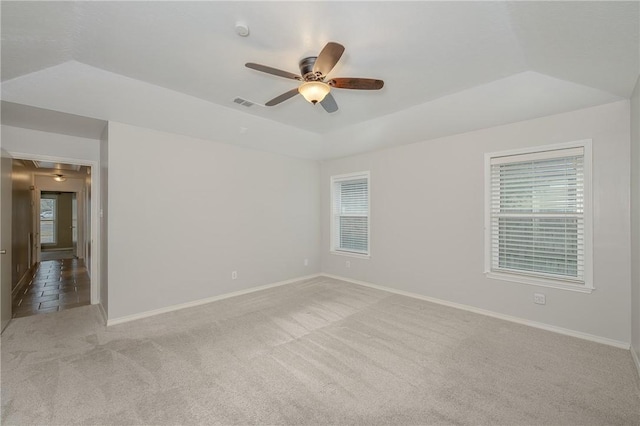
52,236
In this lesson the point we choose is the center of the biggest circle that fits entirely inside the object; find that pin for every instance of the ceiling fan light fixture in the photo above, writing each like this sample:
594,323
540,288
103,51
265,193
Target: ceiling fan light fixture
314,91
313,73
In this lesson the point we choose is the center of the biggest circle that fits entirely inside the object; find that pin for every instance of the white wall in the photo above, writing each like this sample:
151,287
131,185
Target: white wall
184,213
635,223
427,219
27,141
103,194
88,214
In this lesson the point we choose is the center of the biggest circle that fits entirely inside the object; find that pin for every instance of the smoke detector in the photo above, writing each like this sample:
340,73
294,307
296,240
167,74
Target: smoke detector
242,29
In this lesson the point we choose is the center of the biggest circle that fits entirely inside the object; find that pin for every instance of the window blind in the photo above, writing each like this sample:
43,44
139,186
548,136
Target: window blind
351,214
537,214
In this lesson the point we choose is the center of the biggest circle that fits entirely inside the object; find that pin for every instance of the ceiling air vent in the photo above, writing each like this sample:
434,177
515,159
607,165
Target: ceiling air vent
243,102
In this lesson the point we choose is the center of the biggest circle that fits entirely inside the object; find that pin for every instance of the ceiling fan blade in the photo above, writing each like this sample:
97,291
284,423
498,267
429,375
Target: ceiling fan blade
286,95
329,103
356,83
274,71
328,58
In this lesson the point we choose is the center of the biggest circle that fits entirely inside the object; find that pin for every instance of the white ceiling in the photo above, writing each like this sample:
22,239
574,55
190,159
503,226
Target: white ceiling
428,54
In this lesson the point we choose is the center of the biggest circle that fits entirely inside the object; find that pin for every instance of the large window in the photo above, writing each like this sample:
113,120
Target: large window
350,214
538,218
48,215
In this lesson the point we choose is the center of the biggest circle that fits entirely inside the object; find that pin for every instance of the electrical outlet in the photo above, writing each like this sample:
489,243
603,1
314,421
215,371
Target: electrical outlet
347,264
234,275
539,298
306,262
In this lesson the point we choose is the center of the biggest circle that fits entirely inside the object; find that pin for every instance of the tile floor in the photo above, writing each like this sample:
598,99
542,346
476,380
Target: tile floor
56,285
56,254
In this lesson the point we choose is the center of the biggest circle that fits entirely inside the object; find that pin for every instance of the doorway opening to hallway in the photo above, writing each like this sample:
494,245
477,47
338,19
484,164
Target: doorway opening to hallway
51,236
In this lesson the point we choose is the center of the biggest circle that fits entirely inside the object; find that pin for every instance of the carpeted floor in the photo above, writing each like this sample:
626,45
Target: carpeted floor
315,352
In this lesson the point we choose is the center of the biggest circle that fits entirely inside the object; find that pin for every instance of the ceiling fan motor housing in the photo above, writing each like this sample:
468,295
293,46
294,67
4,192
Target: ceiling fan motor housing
306,69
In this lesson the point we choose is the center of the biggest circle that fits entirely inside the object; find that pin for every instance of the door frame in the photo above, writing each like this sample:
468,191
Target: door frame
95,212
6,294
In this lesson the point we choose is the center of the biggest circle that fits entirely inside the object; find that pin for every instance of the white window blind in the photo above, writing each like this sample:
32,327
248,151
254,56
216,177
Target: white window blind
350,213
537,214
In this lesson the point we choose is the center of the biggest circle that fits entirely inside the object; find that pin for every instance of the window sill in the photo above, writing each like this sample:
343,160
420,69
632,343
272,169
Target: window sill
539,282
350,254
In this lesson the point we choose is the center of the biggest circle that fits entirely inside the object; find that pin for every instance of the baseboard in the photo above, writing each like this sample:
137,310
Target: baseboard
103,313
535,324
28,274
199,302
58,249
636,359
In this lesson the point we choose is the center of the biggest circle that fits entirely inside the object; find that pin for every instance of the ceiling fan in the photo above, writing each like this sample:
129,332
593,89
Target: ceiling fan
313,74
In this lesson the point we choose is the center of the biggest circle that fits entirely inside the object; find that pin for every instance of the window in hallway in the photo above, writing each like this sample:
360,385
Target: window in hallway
48,213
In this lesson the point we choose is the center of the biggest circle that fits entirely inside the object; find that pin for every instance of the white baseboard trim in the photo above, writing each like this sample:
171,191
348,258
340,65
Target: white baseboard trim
535,324
199,302
103,313
636,358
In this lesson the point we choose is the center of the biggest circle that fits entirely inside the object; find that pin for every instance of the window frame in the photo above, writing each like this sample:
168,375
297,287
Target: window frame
53,220
533,278
333,246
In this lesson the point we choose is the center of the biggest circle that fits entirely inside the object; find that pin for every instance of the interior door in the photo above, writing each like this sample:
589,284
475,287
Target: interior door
74,222
5,238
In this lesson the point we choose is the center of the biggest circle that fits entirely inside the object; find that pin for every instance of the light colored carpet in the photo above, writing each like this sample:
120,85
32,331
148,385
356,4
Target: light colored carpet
315,352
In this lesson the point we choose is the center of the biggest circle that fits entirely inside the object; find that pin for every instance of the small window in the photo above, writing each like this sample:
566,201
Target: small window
350,214
538,220
48,215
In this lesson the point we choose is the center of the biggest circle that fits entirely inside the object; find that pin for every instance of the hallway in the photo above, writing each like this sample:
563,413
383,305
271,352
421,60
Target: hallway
55,286
56,254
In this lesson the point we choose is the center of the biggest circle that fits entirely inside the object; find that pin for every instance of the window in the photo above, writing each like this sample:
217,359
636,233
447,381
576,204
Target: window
350,214
48,214
538,220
